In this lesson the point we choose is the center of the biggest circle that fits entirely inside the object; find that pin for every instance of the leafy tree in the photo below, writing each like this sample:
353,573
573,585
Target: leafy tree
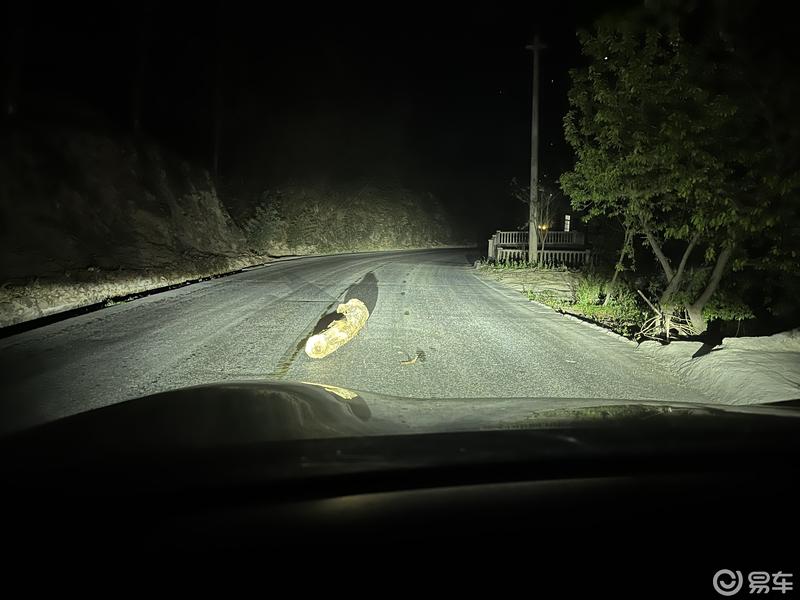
550,199
667,143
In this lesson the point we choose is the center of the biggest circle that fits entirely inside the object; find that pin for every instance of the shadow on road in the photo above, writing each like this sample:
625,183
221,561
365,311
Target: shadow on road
365,290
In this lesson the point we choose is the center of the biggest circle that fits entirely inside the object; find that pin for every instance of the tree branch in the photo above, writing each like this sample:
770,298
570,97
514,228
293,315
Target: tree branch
657,251
695,309
650,304
676,280
716,276
686,253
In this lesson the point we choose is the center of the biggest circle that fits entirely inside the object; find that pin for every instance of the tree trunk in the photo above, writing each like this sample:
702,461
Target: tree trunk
674,278
696,318
665,306
658,252
618,267
675,282
695,309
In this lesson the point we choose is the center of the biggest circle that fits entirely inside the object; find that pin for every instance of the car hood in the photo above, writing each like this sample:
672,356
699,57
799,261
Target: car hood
241,413
261,433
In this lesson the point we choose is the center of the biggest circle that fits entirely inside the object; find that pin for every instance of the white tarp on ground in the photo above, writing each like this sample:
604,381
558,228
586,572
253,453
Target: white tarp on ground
742,370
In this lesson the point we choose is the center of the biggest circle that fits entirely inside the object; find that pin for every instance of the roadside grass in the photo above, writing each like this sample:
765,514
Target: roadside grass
517,265
625,313
588,289
547,297
622,314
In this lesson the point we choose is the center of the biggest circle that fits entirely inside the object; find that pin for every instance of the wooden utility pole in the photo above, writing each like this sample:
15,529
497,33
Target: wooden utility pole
533,215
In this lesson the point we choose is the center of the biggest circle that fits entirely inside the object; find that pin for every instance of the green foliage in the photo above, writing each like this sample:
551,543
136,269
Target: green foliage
668,137
589,289
548,297
725,304
651,133
727,308
628,305
623,314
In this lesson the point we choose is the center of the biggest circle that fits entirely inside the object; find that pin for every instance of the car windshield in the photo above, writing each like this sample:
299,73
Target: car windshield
461,216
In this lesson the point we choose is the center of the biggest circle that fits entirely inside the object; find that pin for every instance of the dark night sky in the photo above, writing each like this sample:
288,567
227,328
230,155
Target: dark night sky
434,98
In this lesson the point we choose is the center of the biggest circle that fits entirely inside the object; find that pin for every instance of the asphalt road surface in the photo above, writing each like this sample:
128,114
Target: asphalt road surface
436,330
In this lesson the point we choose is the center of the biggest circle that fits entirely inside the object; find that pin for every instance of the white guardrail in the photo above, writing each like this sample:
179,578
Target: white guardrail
570,258
513,245
554,238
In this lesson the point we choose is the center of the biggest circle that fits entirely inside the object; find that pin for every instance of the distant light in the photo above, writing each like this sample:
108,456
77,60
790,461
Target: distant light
605,58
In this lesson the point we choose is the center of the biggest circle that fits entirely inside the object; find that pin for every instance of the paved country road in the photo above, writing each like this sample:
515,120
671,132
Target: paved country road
470,338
